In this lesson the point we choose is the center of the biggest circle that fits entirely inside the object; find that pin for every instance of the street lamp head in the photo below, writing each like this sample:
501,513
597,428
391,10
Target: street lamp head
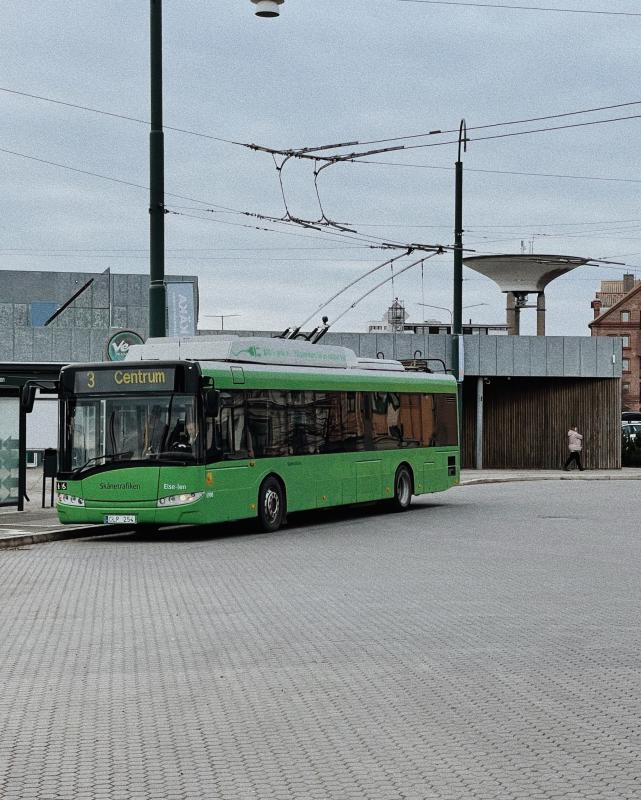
267,8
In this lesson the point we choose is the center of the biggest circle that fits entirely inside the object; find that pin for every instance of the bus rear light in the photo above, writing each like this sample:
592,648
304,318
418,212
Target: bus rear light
69,500
179,499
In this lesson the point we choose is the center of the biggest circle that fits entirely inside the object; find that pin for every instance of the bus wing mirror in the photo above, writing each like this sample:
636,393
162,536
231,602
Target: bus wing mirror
27,398
212,403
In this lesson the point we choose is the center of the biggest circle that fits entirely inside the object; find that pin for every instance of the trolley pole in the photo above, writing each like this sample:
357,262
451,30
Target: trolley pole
157,288
457,321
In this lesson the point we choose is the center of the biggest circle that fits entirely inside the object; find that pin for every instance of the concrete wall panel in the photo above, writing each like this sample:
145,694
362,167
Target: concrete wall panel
98,344
120,290
61,344
350,340
80,344
6,317
119,317
23,344
504,355
554,346
6,345
385,344
407,344
538,355
605,349
571,356
437,348
66,318
487,355
522,355
84,317
366,346
100,292
43,344
588,356
472,355
100,318
137,319
83,300
21,315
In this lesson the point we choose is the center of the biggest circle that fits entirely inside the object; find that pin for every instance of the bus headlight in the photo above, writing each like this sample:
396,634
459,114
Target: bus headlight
69,500
179,499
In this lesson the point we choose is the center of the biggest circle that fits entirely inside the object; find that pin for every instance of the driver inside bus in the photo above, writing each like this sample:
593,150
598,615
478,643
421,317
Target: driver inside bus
186,439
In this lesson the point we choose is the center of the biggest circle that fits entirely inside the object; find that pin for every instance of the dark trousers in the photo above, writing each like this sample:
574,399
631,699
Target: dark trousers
575,456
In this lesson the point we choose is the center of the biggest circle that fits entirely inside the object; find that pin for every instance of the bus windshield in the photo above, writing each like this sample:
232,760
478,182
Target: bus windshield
113,429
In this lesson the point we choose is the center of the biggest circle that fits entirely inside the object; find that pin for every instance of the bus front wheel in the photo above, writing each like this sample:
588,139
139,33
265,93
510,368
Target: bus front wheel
402,489
271,505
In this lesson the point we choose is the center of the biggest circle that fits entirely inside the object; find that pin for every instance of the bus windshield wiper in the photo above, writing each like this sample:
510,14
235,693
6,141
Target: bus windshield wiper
106,456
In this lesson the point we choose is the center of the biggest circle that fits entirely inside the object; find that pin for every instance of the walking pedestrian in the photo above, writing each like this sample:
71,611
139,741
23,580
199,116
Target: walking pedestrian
575,445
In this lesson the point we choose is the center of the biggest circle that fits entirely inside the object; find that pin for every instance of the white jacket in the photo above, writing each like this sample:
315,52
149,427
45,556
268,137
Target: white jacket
575,441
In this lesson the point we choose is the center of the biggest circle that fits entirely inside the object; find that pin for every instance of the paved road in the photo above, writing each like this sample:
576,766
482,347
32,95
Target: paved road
484,645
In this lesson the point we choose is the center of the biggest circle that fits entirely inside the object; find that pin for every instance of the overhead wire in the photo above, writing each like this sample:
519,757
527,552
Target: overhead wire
501,171
321,225
442,132
338,158
310,151
525,8
48,162
214,209
374,242
382,283
126,117
345,288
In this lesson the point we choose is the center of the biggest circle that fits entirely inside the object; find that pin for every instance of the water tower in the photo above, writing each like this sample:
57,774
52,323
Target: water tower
521,275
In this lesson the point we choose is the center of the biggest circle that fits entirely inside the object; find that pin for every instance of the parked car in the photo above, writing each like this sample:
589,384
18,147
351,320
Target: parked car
631,443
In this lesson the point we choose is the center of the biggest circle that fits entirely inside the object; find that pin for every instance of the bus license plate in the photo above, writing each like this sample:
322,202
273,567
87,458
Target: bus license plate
120,519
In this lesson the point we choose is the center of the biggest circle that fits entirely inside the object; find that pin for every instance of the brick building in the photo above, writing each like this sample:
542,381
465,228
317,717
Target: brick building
617,312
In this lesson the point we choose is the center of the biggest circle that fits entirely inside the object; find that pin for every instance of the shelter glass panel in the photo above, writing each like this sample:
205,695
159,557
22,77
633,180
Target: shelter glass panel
9,452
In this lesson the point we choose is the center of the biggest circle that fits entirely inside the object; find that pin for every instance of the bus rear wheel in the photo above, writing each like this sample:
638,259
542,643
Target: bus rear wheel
402,489
271,505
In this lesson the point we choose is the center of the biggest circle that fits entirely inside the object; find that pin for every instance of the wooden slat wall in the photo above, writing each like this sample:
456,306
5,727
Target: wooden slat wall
526,421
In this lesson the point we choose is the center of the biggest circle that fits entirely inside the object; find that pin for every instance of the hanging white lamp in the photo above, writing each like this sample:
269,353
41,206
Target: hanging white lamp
267,8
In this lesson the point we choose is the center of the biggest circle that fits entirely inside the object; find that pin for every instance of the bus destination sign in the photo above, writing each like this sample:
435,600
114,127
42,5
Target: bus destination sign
125,379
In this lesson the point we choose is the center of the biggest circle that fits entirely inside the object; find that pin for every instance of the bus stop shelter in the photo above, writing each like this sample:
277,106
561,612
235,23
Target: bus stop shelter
13,425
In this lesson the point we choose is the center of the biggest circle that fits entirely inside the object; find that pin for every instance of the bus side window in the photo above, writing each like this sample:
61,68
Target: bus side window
353,421
428,420
328,422
409,419
387,433
446,429
301,422
267,422
230,434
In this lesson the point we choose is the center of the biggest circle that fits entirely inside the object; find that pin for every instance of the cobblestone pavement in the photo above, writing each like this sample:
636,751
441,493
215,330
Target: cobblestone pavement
485,644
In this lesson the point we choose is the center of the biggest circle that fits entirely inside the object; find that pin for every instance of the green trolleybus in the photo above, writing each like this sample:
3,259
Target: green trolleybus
210,429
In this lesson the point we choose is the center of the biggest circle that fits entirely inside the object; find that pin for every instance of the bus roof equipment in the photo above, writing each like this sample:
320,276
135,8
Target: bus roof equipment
257,350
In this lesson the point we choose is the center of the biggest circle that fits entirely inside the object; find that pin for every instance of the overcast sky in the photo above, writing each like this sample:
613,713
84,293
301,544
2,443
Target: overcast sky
325,71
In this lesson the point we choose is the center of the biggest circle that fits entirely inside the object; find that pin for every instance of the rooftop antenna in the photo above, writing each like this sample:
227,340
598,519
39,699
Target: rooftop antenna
222,318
